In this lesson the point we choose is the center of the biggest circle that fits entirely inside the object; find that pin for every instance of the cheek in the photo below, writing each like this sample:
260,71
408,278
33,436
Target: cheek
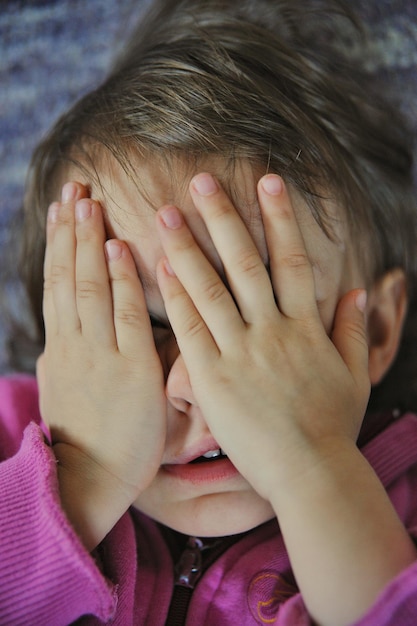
324,284
327,310
167,348
329,288
332,282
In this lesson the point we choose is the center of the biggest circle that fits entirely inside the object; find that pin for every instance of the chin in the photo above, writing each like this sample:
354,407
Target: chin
217,515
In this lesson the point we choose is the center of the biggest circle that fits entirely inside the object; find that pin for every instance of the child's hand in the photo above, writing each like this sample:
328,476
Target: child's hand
275,390
283,399
100,377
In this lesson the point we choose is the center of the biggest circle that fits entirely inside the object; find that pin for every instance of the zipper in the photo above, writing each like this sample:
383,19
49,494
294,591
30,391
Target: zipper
194,560
188,568
193,556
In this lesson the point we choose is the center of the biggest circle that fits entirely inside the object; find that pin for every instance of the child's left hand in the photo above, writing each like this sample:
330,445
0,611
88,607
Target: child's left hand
273,388
284,400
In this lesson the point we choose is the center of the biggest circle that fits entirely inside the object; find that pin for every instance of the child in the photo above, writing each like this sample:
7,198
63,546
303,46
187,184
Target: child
229,266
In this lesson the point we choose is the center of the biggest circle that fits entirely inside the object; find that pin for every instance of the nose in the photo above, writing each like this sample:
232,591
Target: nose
178,388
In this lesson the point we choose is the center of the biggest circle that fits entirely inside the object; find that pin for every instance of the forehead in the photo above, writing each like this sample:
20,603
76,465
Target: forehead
130,198
131,195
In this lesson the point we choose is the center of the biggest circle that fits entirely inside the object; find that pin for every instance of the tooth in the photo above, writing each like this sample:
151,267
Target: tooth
212,454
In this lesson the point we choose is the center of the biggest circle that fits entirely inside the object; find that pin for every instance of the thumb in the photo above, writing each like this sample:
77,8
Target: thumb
350,338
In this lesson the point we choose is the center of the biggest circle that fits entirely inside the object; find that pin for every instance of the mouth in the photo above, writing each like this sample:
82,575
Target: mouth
209,457
209,467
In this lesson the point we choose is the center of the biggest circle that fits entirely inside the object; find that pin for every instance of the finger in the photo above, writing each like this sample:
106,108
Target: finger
132,325
60,261
93,293
194,339
291,271
198,278
245,270
350,338
49,316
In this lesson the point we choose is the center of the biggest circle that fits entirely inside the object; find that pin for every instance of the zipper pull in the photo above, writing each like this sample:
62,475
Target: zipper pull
188,568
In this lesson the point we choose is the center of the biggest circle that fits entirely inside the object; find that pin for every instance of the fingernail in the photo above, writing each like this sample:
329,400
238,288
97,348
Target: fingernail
83,209
171,217
69,192
168,268
53,212
361,300
113,249
272,184
204,184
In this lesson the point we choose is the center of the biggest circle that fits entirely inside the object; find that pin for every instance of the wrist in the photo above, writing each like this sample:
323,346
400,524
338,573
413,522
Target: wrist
92,498
307,464
335,511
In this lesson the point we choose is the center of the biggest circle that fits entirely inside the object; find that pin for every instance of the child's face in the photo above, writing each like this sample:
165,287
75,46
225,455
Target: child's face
211,499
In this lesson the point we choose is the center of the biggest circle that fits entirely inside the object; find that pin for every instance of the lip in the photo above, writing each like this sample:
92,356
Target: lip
192,452
202,473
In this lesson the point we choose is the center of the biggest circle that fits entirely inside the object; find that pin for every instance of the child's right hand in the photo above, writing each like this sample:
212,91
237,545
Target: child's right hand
100,377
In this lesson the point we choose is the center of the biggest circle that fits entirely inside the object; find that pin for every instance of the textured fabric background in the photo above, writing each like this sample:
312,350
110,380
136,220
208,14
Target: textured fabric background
53,51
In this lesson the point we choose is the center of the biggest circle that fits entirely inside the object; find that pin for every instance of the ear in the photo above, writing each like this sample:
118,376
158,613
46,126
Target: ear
386,311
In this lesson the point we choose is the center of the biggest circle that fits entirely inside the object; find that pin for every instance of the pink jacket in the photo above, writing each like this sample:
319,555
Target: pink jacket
48,579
